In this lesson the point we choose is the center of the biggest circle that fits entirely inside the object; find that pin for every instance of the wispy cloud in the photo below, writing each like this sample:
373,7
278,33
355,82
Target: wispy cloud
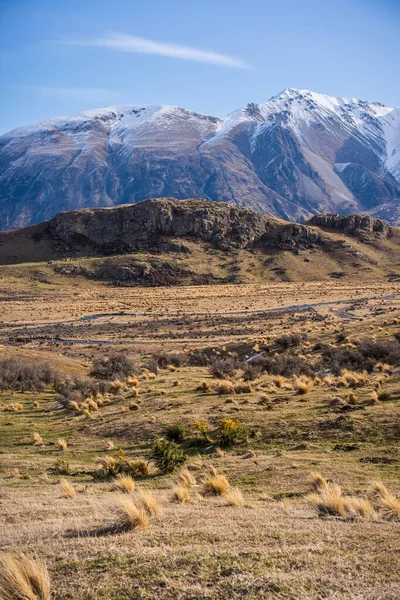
129,43
73,93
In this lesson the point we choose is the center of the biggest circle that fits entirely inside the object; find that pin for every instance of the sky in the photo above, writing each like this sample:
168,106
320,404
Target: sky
59,57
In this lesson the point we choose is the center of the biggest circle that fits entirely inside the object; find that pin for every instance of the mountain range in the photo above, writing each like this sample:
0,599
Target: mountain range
298,154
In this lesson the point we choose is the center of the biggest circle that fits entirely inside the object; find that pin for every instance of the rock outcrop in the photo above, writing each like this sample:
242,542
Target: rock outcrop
357,225
130,227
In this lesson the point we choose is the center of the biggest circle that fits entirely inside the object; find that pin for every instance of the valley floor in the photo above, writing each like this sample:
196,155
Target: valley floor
273,544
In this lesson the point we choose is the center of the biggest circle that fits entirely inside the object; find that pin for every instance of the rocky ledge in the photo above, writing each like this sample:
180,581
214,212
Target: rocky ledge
148,224
363,225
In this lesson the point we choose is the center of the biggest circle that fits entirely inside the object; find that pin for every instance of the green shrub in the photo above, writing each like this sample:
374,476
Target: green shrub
176,433
231,431
167,455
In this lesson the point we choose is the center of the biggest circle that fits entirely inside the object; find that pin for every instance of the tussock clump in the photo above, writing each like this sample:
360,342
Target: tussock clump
205,386
234,497
384,501
224,387
22,578
185,477
129,516
124,484
359,507
14,407
303,386
215,484
37,439
149,502
317,482
110,445
62,444
329,501
117,386
181,494
67,489
243,388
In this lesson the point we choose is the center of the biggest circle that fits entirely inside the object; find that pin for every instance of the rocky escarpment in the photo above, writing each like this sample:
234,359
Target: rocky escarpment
359,225
147,224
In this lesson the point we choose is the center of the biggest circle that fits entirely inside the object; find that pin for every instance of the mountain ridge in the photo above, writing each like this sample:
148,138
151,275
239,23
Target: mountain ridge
298,154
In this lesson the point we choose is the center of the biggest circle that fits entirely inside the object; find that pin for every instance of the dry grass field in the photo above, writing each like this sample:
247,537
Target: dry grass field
264,398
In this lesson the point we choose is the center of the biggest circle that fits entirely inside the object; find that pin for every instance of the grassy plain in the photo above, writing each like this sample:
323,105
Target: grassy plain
272,545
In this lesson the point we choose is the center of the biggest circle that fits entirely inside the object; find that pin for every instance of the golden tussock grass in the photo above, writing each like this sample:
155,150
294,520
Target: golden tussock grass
384,501
329,501
22,578
243,388
205,386
181,494
215,484
37,439
117,386
134,381
128,515
36,404
302,386
185,477
234,497
62,444
67,489
317,482
124,484
224,387
110,445
149,502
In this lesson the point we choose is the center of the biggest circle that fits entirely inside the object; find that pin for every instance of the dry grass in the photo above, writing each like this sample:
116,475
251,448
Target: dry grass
110,445
224,387
62,445
22,578
317,482
215,484
124,484
329,501
37,439
129,516
67,489
384,501
182,494
234,497
185,477
149,502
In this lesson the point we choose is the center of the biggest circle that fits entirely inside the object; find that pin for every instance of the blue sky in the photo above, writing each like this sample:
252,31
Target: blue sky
212,56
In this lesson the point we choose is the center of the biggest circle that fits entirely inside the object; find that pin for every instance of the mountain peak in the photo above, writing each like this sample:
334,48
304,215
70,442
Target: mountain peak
300,153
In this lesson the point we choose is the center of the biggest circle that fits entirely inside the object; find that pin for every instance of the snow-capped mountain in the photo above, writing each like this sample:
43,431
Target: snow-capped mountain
298,154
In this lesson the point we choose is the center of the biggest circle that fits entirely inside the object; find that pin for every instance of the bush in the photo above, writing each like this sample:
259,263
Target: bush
225,367
363,358
282,364
288,340
176,433
231,431
164,359
113,366
167,455
21,376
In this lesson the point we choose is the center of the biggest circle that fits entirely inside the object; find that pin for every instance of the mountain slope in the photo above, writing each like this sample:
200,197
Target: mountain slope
298,154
